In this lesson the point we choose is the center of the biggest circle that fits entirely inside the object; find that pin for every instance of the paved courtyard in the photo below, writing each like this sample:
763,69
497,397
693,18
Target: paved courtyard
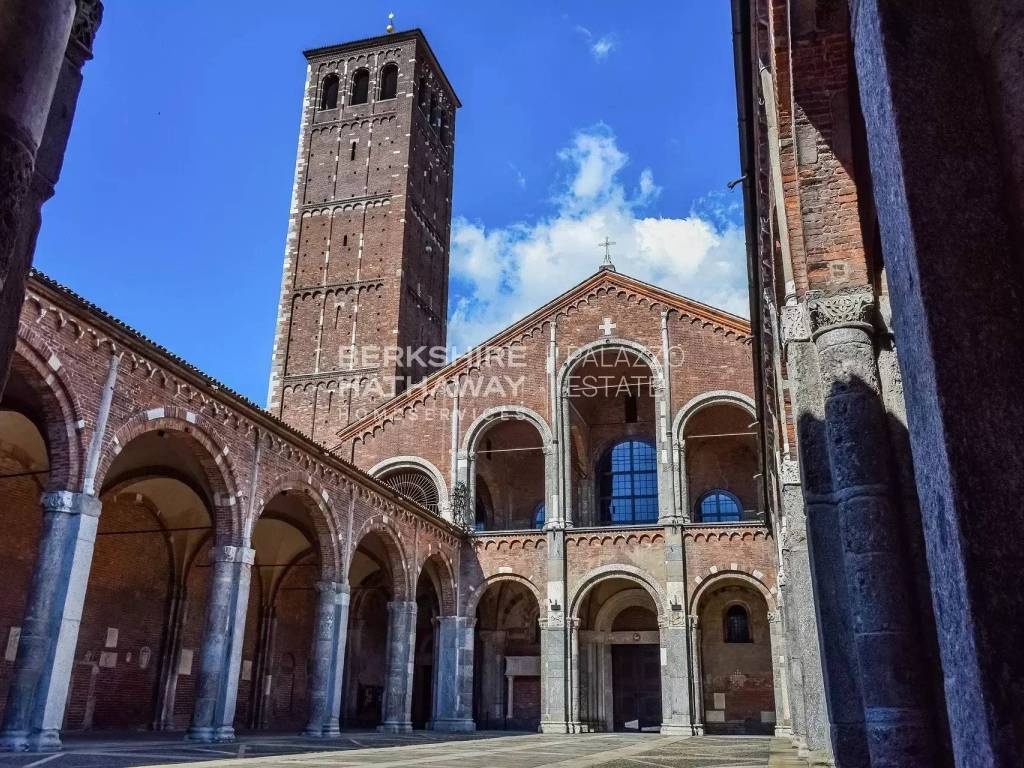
480,750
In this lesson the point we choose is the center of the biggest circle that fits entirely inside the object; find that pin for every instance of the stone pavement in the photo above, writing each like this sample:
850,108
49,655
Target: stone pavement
359,749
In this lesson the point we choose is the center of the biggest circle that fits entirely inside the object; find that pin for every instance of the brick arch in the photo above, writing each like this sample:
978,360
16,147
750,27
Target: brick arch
44,372
227,512
384,526
618,571
444,583
320,514
707,399
610,343
721,576
477,595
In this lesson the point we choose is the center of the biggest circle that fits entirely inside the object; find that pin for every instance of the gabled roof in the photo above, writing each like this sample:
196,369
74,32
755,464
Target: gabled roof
603,277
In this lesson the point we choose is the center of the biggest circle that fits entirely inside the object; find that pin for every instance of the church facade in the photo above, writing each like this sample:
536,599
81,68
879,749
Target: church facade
565,529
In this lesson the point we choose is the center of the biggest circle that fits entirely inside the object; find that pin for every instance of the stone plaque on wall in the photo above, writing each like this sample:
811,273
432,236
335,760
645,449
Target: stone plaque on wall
108,659
12,644
111,641
185,662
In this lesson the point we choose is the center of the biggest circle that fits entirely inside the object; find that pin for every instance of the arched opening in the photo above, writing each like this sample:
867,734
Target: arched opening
619,658
136,663
428,609
329,92
507,456
506,668
25,458
416,485
721,464
372,584
274,684
388,81
360,87
612,456
736,677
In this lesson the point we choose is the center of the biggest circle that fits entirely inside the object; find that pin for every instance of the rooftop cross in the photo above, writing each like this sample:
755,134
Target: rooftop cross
607,245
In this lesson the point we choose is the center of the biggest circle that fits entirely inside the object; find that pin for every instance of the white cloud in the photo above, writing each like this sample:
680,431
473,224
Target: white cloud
602,46
507,272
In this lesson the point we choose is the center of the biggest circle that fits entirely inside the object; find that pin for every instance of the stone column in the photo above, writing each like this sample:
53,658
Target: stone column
33,37
53,613
885,641
397,703
697,682
783,721
328,659
217,686
952,257
554,641
675,674
453,689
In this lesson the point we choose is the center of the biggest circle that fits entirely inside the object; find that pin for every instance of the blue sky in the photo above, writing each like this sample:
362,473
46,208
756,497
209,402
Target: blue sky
580,119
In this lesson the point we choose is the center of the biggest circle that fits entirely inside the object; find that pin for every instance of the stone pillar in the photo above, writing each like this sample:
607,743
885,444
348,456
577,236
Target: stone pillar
221,654
807,684
397,703
675,674
885,641
453,689
783,721
53,613
697,681
953,269
33,37
328,659
554,642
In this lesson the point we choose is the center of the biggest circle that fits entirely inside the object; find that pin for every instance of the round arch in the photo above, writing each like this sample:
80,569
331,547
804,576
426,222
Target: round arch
227,503
474,598
385,529
610,343
320,516
42,372
705,399
722,578
636,597
618,571
415,462
443,578
502,413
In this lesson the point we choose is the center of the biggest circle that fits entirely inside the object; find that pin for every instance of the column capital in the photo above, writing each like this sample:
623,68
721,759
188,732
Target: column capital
851,307
230,553
796,326
70,503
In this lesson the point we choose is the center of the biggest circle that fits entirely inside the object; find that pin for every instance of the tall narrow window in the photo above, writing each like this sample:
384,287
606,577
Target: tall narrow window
629,401
433,110
329,92
628,484
719,506
352,152
737,625
389,81
538,516
360,87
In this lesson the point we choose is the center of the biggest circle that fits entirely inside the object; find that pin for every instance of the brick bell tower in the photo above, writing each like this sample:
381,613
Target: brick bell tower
366,260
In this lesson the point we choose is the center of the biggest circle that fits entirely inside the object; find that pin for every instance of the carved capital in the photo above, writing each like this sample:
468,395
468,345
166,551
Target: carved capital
848,308
87,21
795,324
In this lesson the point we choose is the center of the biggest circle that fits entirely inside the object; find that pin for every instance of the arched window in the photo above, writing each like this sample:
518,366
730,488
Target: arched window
329,92
628,478
389,81
360,87
737,625
719,506
415,485
538,516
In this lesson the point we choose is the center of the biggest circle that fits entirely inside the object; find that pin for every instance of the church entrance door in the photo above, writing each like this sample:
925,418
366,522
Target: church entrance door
636,687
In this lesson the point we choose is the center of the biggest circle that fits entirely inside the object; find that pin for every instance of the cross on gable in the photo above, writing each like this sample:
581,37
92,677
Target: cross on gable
607,326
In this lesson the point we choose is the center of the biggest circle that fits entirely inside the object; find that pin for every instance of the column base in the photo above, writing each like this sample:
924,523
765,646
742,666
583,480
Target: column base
45,741
210,735
783,731
460,725
674,729
394,728
13,741
554,726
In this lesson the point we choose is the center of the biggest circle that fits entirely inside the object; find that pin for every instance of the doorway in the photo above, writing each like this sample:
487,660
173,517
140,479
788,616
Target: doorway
636,687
